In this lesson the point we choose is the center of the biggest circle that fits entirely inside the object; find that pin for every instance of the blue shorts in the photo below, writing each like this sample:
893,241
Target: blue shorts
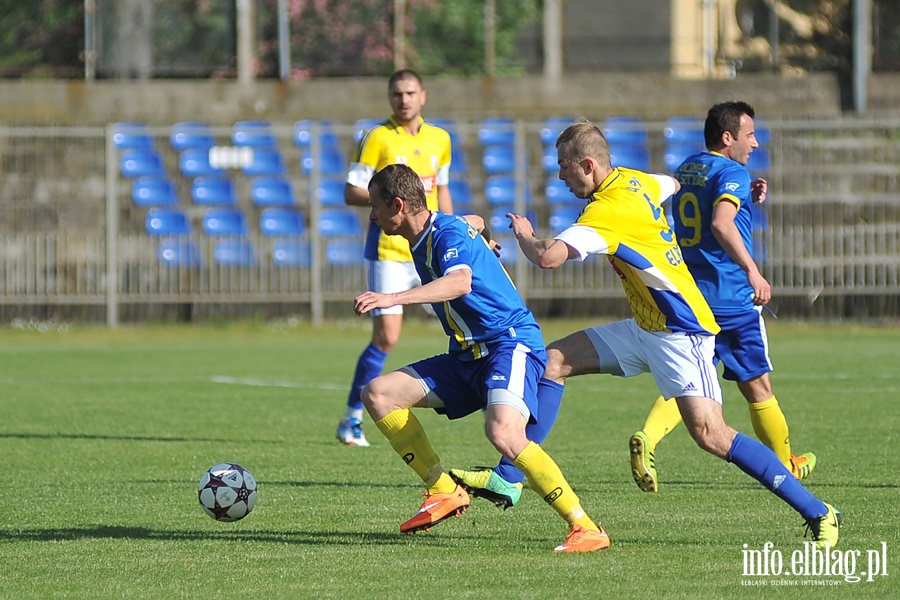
509,374
742,345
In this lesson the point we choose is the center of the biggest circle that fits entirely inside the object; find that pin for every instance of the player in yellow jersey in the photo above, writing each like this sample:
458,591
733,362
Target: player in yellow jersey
672,333
404,138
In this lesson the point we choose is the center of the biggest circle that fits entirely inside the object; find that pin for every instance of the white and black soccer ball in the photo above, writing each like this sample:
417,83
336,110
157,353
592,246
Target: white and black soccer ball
227,492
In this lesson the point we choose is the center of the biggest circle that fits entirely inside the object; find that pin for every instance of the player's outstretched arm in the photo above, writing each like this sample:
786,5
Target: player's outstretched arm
546,253
448,287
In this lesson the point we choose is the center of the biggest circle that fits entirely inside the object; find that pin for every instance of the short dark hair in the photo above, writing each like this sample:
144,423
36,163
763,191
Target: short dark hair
725,116
402,74
399,181
582,139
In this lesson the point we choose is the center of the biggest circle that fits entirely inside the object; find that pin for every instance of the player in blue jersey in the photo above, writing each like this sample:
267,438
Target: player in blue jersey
495,358
672,333
405,138
713,222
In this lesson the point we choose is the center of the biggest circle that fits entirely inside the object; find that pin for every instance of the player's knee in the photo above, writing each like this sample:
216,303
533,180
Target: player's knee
711,439
503,438
374,396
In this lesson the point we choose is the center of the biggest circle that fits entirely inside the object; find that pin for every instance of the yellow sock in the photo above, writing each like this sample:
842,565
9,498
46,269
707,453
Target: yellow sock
771,428
547,480
663,418
406,436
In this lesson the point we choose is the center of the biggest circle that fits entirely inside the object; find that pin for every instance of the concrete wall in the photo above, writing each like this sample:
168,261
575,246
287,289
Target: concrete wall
27,102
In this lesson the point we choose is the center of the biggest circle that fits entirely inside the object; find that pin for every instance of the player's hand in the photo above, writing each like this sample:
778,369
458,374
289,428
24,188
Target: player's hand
368,301
759,188
520,225
762,291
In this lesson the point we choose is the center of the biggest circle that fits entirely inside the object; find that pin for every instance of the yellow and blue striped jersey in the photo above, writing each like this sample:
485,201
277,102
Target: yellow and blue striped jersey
624,220
427,153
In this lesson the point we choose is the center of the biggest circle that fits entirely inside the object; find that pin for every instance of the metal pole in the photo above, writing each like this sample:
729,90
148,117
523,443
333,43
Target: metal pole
284,42
245,41
520,203
112,233
553,39
490,38
315,238
399,34
862,57
773,35
90,50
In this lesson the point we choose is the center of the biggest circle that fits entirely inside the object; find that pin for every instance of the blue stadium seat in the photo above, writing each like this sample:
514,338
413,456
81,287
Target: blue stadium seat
458,163
271,191
253,133
266,161
363,125
759,164
330,192
557,192
291,253
191,134
551,128
153,190
175,252
167,221
224,221
344,253
234,253
499,158
629,131
501,189
632,157
138,163
763,134
448,125
509,249
132,136
281,221
497,131
194,162
550,159
460,191
339,221
333,163
328,139
561,216
499,222
684,130
676,153
213,190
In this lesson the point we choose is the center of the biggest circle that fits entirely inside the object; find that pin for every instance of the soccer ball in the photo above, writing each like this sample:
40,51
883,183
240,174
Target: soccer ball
227,492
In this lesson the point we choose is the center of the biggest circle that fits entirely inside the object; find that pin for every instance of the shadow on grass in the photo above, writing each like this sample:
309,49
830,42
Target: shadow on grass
312,538
125,438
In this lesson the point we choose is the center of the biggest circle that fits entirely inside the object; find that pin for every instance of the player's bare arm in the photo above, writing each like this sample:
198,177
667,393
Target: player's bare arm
545,253
445,201
727,234
449,287
355,196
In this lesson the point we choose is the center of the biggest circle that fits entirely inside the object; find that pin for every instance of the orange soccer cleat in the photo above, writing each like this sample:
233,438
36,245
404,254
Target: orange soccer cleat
436,508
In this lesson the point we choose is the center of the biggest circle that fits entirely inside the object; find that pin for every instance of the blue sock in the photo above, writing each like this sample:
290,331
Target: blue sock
550,396
368,367
758,461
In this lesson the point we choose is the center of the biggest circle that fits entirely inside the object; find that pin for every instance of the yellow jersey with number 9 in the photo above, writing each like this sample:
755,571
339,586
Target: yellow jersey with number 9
625,221
427,153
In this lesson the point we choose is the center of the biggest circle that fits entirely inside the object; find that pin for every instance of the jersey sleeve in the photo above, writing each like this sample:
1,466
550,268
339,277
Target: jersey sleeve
365,159
666,187
584,240
452,247
731,184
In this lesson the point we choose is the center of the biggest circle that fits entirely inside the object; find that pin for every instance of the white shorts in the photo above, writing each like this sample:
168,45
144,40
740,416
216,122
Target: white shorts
681,363
389,277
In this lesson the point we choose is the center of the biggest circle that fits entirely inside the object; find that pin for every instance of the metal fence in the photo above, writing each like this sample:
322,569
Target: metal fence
77,242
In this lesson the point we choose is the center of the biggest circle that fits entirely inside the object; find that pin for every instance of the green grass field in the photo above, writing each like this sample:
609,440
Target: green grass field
104,435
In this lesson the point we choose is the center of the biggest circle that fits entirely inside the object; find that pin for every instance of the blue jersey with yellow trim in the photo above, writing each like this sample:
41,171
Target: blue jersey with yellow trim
625,221
708,178
493,311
